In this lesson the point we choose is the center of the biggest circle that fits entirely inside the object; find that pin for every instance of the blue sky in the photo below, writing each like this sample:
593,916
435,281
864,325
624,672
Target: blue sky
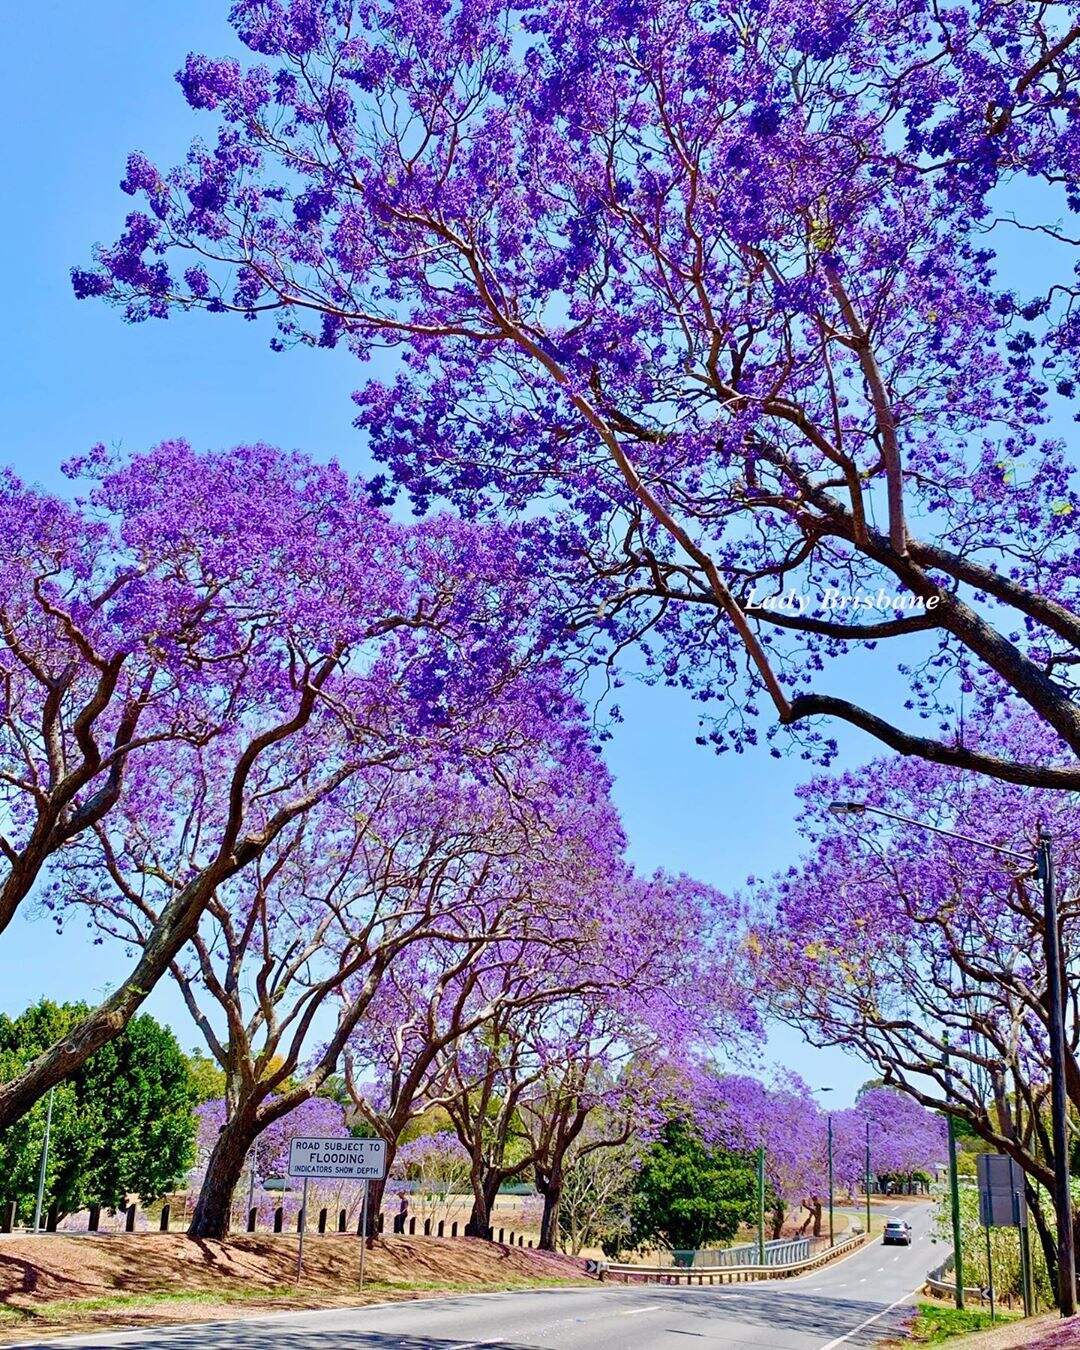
93,83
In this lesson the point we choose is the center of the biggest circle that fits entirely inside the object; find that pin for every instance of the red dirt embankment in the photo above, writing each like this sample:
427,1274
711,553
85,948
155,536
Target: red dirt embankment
54,1284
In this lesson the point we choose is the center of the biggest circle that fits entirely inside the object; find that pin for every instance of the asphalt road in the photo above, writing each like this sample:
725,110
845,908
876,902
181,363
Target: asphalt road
853,1303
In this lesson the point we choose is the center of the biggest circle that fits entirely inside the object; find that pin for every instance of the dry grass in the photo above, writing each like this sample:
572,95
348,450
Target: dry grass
59,1283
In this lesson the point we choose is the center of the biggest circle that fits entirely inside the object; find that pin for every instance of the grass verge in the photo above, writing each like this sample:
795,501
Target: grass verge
937,1322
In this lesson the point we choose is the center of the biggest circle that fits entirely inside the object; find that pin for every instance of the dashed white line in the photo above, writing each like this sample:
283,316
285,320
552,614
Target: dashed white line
632,1312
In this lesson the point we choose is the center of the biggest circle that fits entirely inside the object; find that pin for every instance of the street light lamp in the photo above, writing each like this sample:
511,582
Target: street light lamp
1042,863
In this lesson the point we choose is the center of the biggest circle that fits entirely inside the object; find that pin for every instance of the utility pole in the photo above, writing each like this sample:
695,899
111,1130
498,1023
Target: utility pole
1058,1105
44,1164
832,1233
761,1205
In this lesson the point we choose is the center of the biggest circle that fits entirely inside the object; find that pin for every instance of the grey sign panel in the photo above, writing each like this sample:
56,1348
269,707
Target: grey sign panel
1001,1191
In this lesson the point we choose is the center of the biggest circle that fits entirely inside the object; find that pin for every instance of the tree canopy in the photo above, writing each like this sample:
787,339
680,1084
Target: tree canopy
688,1195
123,1124
728,299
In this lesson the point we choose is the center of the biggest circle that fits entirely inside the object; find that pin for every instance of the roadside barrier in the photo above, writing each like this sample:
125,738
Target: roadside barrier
778,1252
726,1274
940,1287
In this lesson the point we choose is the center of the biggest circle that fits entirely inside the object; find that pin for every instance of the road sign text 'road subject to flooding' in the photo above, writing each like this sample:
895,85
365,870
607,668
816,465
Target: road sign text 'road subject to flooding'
355,1159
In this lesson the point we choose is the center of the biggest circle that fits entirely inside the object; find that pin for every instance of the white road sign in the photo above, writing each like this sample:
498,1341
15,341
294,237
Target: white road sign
355,1159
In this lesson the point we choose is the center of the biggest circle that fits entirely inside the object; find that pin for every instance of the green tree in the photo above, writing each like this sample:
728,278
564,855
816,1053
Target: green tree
334,1090
123,1124
207,1077
689,1196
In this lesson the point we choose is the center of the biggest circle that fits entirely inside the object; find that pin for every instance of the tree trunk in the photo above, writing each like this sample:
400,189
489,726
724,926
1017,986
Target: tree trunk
213,1209
777,1221
549,1222
484,1195
1047,1234
175,926
377,1191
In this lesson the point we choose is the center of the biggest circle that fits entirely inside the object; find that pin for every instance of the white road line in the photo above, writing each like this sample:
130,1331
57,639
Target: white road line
632,1312
831,1345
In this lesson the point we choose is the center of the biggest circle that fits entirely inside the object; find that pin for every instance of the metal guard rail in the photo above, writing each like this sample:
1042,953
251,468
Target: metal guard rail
778,1252
937,1284
727,1274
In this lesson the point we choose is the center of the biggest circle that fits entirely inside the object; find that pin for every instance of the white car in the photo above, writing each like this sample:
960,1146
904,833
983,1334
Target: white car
897,1233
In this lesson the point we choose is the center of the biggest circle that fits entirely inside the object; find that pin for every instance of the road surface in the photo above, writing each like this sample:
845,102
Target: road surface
853,1303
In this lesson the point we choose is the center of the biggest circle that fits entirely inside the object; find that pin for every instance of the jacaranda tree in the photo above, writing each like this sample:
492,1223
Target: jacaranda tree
786,1119
924,954
303,638
726,288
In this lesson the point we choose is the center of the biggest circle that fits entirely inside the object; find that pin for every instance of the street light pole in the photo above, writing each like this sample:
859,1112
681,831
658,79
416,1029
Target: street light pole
761,1205
251,1178
828,1118
1058,1104
43,1166
868,1178
954,1201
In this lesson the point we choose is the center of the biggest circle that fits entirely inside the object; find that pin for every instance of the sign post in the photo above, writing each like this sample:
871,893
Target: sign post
341,1160
303,1226
1003,1204
363,1232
